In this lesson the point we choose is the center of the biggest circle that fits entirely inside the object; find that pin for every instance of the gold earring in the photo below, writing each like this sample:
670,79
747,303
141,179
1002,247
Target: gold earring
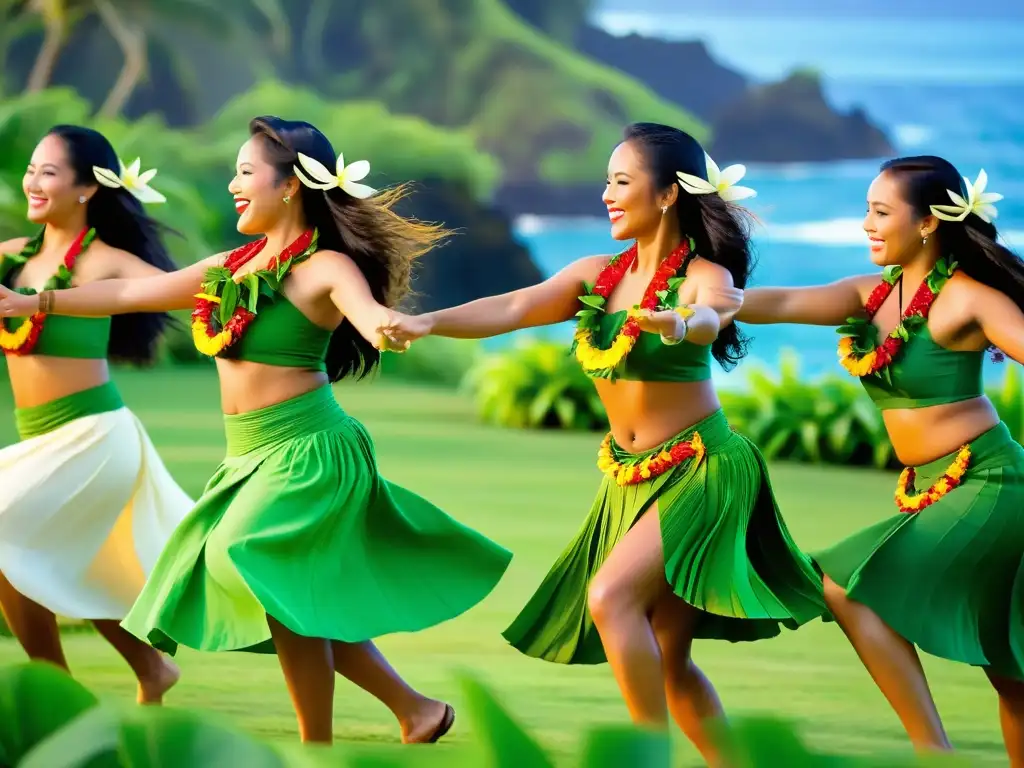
287,199
664,210
924,239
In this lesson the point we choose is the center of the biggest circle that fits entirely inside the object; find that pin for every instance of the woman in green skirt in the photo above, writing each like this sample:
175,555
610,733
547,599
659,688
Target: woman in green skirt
298,545
942,570
684,539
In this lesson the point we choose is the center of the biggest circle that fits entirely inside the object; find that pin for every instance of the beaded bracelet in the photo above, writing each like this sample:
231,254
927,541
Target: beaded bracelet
46,302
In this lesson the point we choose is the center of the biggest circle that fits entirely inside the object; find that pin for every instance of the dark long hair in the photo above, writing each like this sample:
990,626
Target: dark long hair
381,243
924,181
718,228
120,222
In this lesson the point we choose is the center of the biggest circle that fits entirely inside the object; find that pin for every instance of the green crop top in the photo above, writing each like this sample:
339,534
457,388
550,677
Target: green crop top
83,338
653,360
281,335
924,374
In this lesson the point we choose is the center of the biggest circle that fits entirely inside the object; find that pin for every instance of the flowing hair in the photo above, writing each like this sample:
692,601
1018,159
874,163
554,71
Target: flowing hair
382,243
719,229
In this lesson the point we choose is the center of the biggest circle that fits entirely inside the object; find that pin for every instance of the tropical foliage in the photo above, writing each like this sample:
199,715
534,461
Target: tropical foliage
47,720
471,66
433,360
827,420
535,385
788,416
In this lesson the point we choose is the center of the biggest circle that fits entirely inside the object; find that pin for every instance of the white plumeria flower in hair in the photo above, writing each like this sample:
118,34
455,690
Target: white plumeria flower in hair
721,181
345,176
979,202
130,179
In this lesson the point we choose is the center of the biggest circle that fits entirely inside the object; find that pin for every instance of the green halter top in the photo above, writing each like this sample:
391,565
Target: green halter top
277,333
281,335
653,360
925,374
84,338
922,373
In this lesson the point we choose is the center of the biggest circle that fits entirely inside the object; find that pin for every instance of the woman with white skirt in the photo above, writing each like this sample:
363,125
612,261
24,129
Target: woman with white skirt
86,504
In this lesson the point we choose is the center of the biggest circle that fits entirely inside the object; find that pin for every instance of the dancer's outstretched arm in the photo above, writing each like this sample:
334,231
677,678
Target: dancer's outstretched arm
159,293
553,301
817,305
549,302
350,293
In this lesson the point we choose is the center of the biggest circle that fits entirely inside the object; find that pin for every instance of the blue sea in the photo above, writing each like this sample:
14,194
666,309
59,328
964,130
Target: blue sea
950,88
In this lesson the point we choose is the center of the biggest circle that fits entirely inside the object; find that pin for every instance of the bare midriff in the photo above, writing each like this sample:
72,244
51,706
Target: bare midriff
40,379
921,435
247,386
644,414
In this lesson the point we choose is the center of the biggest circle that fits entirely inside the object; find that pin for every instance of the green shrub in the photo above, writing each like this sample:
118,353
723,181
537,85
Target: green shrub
535,384
1009,401
48,720
399,147
433,360
828,420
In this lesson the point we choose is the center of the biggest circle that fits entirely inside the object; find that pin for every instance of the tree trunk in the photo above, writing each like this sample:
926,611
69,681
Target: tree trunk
54,35
132,41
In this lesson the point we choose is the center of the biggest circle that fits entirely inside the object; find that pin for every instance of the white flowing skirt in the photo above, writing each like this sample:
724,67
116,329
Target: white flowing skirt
85,511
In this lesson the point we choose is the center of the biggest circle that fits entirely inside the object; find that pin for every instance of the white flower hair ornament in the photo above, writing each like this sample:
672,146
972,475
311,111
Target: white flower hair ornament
979,202
346,176
718,181
131,180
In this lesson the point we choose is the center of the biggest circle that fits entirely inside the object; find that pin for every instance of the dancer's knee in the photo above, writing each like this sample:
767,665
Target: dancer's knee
607,598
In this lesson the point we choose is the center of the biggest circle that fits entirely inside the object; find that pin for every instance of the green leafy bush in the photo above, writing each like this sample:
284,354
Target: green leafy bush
47,720
433,360
535,384
399,147
826,420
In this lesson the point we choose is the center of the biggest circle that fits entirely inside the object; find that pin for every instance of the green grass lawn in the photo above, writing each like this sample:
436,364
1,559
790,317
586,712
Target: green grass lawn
529,491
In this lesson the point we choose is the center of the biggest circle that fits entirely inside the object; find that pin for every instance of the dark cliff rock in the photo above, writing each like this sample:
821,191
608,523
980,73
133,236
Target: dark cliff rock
681,71
787,121
790,121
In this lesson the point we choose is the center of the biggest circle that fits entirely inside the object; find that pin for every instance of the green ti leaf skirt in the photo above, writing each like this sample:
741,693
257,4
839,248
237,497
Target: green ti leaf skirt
298,524
727,553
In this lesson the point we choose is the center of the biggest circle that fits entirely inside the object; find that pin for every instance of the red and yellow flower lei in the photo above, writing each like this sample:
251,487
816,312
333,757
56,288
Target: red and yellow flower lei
222,312
601,363
858,350
671,455
23,339
950,480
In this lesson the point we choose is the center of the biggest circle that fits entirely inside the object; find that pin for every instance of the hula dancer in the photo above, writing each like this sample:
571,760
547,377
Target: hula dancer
86,505
684,540
298,545
942,570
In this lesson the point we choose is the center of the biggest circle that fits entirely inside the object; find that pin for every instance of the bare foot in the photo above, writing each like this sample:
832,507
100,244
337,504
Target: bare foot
432,721
153,686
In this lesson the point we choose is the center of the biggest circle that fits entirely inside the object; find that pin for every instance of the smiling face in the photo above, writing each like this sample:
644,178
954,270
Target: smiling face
630,194
259,194
50,186
894,230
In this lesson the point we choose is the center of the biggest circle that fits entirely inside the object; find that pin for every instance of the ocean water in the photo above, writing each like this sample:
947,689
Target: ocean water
810,231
